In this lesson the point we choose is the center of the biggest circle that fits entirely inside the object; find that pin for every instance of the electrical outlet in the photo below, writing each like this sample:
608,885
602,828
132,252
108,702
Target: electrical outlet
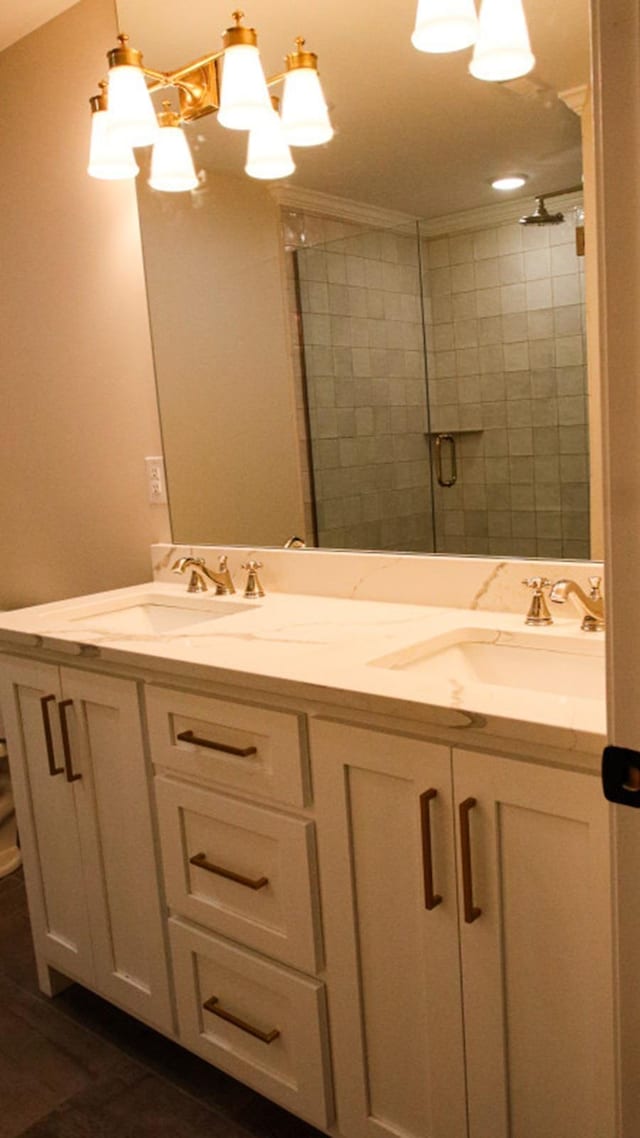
156,482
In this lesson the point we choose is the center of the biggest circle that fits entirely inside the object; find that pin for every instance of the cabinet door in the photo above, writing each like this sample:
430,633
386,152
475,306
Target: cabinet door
53,864
536,959
114,819
392,963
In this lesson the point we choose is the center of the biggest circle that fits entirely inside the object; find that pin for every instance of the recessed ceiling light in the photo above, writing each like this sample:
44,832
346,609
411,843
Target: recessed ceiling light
513,182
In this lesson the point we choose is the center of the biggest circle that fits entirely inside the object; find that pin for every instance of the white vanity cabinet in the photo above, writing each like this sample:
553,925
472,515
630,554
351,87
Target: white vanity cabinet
391,937
241,882
462,888
83,802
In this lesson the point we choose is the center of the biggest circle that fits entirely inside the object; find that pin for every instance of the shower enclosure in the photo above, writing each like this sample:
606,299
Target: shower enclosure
444,386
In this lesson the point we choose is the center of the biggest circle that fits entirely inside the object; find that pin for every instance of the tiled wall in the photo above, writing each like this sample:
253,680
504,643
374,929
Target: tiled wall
362,337
507,375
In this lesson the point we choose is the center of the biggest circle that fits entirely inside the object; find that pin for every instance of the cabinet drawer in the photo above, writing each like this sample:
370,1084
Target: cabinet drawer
256,879
248,748
264,1024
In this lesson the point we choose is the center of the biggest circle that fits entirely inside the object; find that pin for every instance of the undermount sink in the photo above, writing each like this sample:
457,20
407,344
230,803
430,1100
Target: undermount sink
473,656
155,615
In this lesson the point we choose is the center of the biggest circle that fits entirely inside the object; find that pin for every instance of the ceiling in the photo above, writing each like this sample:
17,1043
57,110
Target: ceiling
414,132
19,17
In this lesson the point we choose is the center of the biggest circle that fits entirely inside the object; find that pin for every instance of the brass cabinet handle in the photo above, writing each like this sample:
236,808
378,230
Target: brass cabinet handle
45,700
431,899
189,737
200,860
66,745
212,1005
471,911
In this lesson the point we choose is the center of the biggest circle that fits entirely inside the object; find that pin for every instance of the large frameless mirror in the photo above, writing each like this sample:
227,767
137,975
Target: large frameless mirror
380,353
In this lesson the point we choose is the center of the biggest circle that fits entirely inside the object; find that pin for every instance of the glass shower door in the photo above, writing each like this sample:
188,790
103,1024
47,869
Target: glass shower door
362,340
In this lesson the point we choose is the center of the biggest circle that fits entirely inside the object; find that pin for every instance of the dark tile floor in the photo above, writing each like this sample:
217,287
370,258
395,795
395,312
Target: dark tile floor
76,1067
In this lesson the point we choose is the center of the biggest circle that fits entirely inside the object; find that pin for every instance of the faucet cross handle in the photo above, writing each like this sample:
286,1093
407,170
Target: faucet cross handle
253,587
538,613
594,589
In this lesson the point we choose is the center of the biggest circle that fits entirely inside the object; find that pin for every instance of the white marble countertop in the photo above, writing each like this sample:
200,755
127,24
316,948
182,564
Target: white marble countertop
336,650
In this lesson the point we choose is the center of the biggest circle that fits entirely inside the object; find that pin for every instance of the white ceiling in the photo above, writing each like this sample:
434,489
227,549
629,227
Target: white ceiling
19,17
414,132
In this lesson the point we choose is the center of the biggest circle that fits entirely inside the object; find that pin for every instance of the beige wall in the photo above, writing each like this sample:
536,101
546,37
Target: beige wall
215,277
77,412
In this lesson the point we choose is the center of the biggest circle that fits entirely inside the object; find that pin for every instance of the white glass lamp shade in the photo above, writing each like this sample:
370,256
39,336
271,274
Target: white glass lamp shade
445,25
502,50
268,154
132,118
305,117
172,166
109,158
244,95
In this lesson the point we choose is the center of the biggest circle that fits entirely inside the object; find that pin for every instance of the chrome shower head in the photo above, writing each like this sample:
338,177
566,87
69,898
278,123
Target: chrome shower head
541,215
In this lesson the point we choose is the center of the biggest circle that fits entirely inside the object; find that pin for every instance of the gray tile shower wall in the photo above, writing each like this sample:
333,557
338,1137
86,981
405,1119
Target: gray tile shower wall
507,377
362,335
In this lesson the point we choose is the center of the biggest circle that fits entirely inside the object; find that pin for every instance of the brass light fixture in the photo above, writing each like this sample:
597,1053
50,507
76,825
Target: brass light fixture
230,81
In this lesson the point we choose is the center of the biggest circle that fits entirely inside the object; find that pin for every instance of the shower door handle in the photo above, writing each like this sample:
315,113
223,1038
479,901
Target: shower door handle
453,477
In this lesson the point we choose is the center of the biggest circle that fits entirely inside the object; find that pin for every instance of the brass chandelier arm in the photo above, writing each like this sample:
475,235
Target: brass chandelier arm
198,84
160,79
173,78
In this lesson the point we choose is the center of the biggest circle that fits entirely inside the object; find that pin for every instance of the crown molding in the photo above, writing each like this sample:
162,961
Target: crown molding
575,98
342,209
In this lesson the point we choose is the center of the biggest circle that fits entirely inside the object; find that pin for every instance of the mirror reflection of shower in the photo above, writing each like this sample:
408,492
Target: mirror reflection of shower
461,344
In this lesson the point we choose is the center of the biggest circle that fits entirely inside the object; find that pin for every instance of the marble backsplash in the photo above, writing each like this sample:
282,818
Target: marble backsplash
476,583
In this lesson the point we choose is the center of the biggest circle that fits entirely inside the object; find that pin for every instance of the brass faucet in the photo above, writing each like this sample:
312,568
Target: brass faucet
591,606
200,570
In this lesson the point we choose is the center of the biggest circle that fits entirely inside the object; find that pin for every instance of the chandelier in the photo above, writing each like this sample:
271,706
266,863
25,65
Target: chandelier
229,81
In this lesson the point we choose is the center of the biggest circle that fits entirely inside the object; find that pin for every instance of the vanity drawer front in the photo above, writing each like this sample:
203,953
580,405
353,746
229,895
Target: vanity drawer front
278,1042
254,879
248,748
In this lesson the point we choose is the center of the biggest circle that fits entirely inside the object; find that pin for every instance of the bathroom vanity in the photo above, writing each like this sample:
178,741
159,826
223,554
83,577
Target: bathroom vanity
290,836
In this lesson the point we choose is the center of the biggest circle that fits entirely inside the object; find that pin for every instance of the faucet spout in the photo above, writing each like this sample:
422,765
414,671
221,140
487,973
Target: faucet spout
590,606
199,570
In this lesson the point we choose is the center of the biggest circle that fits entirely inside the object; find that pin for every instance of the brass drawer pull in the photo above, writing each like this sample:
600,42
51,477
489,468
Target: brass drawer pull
45,700
212,1005
242,752
200,861
431,899
66,745
471,911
